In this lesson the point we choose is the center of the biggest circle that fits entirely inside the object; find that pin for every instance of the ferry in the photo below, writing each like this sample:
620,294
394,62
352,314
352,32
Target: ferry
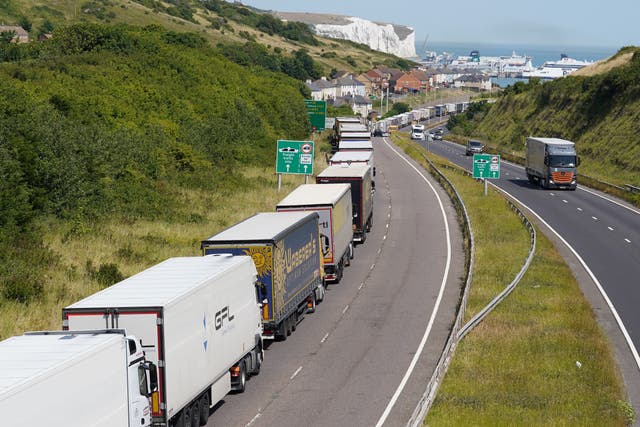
556,69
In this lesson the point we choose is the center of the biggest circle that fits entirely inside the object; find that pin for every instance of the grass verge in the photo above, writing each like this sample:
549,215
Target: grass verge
540,357
92,256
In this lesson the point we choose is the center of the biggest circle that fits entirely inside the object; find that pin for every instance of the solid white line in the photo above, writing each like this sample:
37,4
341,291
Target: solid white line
296,373
427,332
324,338
254,419
623,329
345,309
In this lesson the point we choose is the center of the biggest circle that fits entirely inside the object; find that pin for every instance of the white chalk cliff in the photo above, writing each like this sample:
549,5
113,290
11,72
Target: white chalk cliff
389,38
395,39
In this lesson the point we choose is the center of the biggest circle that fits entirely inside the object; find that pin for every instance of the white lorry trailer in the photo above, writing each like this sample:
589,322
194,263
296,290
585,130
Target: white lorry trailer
552,162
75,379
333,205
199,322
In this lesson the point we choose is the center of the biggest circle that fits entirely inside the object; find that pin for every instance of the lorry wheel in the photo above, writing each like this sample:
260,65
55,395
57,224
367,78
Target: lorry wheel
204,409
294,321
195,414
281,334
179,421
187,416
258,365
531,178
288,325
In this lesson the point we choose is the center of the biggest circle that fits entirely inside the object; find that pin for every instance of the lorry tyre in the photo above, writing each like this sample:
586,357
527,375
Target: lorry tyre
204,409
258,364
185,417
294,321
281,333
195,414
531,178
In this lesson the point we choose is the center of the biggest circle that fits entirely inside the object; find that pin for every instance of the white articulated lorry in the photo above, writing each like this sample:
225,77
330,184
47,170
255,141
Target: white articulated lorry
333,205
199,322
553,162
75,379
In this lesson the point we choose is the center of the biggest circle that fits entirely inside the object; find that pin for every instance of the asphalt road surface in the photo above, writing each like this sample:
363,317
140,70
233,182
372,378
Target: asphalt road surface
604,234
365,356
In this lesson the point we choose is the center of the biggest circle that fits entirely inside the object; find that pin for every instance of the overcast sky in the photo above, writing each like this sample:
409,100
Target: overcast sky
612,23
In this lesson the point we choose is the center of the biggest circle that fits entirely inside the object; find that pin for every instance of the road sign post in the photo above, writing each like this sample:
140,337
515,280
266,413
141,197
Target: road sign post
317,113
294,157
486,166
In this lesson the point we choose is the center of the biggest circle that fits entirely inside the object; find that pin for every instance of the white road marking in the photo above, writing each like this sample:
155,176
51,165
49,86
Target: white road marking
552,194
296,373
564,201
594,218
610,228
436,306
608,199
361,286
345,309
580,209
614,312
324,338
372,266
254,419
627,240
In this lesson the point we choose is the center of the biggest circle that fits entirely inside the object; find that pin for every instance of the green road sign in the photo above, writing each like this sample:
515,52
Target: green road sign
295,157
486,166
317,112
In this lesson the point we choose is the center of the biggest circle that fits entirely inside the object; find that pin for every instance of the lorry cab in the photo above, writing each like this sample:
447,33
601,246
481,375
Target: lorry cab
143,384
417,132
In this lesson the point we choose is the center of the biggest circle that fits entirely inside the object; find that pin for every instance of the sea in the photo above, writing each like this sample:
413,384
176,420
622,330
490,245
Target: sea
539,53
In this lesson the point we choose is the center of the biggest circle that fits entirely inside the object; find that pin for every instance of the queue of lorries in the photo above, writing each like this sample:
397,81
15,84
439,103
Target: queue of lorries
164,346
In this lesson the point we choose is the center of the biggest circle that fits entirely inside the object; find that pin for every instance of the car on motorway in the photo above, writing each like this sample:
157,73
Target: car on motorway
474,147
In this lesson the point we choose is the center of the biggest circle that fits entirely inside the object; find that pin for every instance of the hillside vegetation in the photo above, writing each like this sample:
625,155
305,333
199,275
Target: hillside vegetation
138,112
112,121
599,112
218,21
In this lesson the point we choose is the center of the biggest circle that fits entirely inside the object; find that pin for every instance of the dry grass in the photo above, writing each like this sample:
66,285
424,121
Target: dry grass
134,246
604,66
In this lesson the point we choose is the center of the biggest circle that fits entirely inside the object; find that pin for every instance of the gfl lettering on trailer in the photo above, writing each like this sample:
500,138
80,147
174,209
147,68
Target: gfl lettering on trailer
221,315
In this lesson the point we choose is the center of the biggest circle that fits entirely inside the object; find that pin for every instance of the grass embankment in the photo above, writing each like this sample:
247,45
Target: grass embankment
518,367
132,246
